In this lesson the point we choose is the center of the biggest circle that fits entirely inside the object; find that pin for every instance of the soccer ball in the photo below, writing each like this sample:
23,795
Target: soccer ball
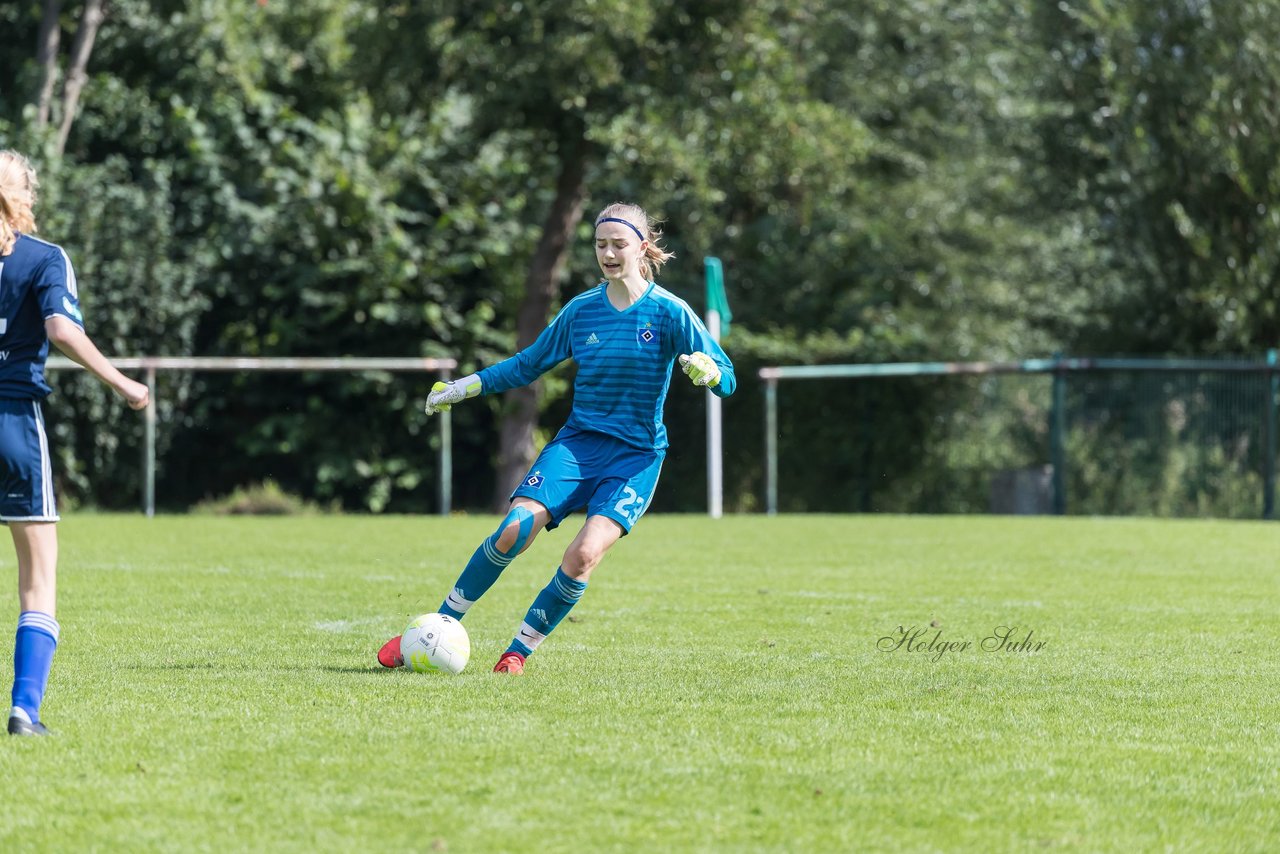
434,643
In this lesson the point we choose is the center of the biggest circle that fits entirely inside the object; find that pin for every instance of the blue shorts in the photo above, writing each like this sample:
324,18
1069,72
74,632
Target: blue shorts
605,475
26,469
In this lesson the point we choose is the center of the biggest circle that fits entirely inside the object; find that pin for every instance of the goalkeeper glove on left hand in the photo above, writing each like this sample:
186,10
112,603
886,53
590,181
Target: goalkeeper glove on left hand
701,369
444,395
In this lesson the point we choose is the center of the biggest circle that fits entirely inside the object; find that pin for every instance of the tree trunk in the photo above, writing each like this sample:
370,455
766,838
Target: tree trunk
47,59
90,20
516,449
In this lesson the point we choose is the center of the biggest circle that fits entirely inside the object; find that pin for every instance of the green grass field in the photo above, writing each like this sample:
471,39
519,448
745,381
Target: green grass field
723,686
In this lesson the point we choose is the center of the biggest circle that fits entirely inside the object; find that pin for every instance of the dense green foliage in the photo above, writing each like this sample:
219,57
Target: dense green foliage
215,689
884,181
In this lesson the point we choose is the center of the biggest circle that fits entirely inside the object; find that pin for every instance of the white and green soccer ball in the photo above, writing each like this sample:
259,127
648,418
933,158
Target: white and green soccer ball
435,643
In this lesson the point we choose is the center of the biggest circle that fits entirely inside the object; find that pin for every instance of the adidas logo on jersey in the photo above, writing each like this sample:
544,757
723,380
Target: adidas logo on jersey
592,339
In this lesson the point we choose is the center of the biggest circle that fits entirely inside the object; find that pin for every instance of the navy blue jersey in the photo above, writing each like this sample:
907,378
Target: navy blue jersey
624,361
36,283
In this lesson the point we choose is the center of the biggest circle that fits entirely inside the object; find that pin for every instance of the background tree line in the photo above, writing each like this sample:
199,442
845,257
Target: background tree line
969,179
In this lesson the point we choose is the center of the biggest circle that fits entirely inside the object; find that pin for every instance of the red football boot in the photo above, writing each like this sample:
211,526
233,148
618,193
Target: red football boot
511,662
389,655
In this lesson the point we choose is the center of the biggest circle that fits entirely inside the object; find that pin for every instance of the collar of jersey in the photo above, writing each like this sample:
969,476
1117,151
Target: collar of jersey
604,295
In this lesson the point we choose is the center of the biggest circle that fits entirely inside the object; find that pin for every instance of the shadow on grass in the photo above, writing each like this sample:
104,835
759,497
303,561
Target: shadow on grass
375,669
246,668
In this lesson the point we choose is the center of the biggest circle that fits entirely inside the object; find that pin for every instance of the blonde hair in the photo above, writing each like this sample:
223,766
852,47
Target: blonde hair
654,254
17,197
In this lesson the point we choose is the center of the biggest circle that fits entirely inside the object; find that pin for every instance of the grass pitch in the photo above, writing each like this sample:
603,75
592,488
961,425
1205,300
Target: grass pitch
736,685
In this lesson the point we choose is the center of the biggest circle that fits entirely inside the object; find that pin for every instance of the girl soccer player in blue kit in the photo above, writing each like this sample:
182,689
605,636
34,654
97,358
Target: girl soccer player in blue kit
625,335
38,304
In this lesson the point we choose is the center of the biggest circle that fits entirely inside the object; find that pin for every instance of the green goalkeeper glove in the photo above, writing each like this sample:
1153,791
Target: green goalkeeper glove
444,395
701,369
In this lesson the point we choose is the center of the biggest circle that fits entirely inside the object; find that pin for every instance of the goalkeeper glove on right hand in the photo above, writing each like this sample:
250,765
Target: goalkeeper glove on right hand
444,395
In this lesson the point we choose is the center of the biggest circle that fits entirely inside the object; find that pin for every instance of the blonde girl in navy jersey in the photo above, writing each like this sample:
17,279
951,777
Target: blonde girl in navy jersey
38,304
625,335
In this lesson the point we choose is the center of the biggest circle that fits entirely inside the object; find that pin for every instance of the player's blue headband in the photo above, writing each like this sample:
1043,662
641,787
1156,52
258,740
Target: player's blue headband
623,221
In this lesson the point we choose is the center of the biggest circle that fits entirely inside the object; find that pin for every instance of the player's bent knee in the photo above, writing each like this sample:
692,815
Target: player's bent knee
580,559
516,530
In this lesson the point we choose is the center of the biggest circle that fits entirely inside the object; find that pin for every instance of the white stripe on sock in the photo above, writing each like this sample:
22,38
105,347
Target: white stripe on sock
567,593
455,601
529,636
40,620
496,557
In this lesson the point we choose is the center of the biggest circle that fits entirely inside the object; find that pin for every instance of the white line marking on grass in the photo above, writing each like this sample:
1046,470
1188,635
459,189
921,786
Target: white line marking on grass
346,625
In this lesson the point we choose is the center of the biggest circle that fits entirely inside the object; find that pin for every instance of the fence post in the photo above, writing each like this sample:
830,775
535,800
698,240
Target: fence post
715,438
149,447
1269,476
714,271
1058,436
446,457
771,446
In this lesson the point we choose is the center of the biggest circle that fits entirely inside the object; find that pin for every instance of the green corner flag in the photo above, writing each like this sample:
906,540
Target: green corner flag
717,299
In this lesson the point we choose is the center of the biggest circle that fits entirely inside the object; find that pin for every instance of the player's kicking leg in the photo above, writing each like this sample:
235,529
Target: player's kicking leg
518,528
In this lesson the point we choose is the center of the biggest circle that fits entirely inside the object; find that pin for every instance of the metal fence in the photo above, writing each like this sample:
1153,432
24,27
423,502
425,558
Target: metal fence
149,365
1114,436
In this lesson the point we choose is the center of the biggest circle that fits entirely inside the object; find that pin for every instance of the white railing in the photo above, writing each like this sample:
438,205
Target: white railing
151,364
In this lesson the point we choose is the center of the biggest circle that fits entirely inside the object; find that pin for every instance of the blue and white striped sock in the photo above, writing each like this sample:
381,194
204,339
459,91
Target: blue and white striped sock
488,562
479,575
32,657
548,609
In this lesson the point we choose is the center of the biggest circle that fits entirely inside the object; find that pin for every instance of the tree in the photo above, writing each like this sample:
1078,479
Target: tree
48,61
606,93
1166,142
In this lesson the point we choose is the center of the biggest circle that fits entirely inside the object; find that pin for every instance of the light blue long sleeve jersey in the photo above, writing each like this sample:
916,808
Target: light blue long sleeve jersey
624,361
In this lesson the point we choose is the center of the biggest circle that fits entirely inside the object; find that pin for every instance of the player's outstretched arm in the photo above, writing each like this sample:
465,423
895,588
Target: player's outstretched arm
72,341
445,394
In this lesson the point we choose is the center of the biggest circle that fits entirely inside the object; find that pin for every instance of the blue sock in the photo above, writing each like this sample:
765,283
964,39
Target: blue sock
32,658
548,609
487,564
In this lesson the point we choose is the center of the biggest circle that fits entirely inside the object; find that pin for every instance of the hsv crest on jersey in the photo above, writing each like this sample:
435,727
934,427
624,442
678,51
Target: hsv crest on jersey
534,480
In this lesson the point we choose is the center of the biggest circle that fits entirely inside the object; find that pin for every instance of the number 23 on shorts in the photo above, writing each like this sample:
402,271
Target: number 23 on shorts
630,505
